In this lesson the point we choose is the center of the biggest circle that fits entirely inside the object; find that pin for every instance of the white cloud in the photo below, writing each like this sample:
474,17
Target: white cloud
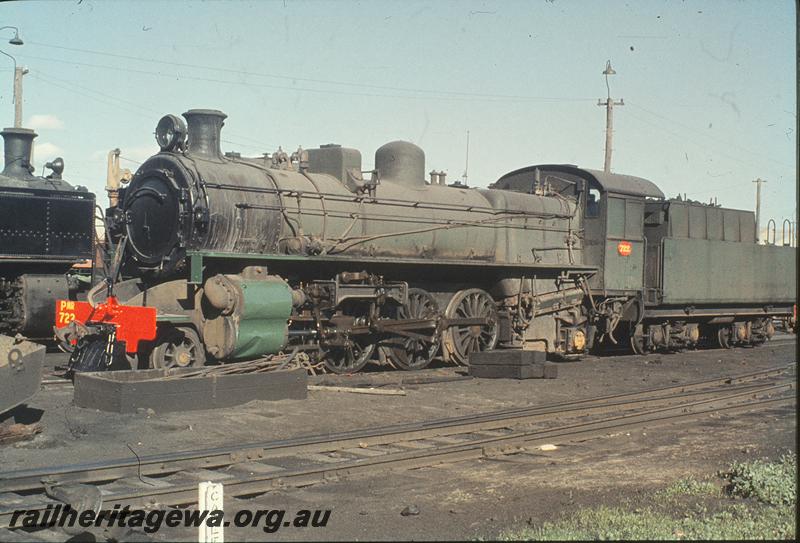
46,151
46,121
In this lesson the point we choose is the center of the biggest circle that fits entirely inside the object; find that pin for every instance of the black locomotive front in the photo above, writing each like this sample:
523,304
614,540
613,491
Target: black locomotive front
194,201
46,226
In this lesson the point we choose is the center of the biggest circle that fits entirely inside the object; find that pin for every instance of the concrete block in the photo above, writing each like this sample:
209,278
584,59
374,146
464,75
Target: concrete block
20,371
507,357
127,391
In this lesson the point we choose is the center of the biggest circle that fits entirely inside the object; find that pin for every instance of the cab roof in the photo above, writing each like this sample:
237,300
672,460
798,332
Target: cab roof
609,182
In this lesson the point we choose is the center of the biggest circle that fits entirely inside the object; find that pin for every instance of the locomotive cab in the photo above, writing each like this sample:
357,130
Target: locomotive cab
613,240
613,209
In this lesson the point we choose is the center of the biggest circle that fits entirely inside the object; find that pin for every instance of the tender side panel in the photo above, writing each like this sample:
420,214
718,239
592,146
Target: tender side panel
22,225
71,227
46,226
699,271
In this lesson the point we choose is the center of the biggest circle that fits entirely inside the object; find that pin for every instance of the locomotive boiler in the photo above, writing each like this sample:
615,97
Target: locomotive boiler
243,257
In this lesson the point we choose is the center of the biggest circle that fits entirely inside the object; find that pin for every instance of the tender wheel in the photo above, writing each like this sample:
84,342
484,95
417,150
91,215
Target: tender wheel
414,353
724,337
638,343
463,337
348,358
178,348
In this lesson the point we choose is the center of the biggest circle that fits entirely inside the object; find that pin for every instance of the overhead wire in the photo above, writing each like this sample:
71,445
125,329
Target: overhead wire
130,160
708,136
433,94
125,105
105,101
441,93
683,137
93,91
310,80
488,98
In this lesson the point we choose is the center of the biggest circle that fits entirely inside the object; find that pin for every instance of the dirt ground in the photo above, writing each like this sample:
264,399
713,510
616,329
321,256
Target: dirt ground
455,501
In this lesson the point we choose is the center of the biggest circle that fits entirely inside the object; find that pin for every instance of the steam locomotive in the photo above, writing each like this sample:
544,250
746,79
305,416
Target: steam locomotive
232,258
46,227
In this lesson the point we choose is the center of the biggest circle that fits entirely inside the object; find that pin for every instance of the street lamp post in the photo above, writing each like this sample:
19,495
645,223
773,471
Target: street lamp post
19,71
609,104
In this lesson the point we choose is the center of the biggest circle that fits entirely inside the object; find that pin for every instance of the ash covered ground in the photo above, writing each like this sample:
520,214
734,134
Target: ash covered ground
461,500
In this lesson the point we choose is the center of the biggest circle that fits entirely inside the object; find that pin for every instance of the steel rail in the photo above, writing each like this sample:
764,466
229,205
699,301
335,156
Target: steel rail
249,478
32,479
490,446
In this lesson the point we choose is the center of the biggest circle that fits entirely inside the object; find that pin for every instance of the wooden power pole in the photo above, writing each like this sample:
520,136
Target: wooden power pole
609,104
758,183
19,71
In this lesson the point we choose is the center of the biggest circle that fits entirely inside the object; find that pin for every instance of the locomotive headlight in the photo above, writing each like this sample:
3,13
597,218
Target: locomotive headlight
170,133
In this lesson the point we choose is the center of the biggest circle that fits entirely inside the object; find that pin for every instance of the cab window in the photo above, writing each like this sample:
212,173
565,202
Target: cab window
625,218
593,203
634,217
616,217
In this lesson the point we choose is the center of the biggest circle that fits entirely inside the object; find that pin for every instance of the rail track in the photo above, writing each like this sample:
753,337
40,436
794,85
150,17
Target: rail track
56,378
171,479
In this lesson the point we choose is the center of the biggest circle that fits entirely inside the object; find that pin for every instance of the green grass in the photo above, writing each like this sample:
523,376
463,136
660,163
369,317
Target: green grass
690,487
767,512
611,523
774,483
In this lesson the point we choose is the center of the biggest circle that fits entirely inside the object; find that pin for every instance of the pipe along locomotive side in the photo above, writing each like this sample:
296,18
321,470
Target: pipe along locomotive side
231,258
46,227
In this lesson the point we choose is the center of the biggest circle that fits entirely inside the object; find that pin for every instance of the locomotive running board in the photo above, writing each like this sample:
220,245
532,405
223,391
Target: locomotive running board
197,262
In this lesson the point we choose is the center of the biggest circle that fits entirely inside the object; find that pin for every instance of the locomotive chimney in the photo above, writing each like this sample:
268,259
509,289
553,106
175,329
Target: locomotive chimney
203,127
18,144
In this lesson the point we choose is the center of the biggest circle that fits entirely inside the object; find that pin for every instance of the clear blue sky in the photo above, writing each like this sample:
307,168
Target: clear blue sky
709,86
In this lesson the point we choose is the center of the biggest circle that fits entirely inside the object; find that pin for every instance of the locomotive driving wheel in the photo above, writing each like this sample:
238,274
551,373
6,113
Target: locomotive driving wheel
472,325
414,353
178,347
347,358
